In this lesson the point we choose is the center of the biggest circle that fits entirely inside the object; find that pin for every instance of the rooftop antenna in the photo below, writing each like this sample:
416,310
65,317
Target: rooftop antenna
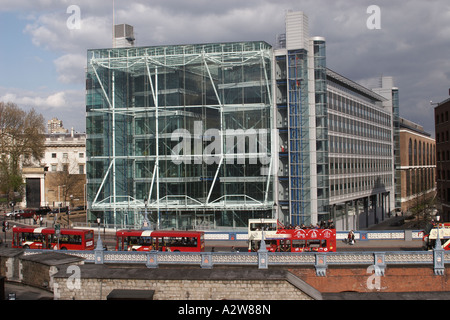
113,28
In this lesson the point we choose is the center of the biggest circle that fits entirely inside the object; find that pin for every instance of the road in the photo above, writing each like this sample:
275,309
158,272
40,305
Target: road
226,246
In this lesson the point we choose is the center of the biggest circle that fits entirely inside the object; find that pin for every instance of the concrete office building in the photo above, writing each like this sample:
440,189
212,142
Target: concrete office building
210,135
336,136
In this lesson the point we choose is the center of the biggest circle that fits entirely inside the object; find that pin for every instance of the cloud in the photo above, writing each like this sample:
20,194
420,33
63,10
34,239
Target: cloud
70,68
68,105
50,31
33,100
410,45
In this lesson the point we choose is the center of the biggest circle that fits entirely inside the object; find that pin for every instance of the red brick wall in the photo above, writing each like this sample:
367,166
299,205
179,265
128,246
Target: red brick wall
358,279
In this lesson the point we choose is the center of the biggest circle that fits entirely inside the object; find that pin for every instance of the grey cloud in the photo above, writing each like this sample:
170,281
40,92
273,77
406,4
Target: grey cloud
411,45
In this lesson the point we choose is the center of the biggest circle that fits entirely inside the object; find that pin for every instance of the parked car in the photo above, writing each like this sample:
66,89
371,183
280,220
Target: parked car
79,208
62,210
13,214
27,213
43,210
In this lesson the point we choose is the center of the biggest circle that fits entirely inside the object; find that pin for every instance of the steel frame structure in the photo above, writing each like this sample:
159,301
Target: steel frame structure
111,69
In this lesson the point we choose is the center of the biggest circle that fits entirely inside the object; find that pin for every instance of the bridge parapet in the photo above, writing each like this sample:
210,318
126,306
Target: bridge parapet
262,260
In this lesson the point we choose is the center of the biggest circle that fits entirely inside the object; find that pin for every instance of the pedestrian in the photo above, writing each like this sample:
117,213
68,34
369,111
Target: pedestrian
351,237
233,249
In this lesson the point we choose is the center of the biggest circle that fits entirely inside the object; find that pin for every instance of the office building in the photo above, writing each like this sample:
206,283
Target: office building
336,136
183,131
55,126
210,135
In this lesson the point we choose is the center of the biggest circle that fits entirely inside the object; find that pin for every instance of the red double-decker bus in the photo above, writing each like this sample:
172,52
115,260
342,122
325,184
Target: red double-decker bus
161,240
46,238
303,240
279,239
430,235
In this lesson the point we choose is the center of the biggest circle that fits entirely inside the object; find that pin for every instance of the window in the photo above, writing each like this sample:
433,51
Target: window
65,155
81,169
53,155
53,167
81,155
410,163
415,152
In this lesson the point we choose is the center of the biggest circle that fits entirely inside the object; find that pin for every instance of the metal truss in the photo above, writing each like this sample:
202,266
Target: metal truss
151,62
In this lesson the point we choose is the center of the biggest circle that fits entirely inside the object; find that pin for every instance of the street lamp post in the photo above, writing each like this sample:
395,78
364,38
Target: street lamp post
263,247
146,222
438,245
438,254
99,241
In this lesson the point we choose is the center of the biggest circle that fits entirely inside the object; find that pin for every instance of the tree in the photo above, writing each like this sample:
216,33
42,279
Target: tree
21,142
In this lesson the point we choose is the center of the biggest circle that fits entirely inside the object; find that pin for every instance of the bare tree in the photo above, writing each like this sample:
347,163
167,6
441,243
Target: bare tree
21,141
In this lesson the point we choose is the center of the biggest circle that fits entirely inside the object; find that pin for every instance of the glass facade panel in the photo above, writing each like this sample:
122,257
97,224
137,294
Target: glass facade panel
186,127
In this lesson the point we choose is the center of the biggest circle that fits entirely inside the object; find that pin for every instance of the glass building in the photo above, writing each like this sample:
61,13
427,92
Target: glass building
183,132
208,136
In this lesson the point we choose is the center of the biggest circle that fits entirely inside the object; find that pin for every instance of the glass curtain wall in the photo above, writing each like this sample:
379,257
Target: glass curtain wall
320,83
183,132
300,205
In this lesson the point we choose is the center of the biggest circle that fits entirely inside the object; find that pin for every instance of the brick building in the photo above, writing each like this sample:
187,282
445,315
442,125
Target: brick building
442,128
417,165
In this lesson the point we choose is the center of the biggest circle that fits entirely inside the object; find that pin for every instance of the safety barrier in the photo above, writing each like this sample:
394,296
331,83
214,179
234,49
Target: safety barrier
362,235
320,260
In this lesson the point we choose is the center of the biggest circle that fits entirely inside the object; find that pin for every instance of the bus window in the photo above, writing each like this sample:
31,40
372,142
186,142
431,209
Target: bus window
285,245
298,244
119,244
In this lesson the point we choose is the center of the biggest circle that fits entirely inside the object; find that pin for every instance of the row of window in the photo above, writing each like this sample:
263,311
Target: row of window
65,168
356,109
346,186
421,153
419,180
356,146
442,136
444,156
358,128
442,117
341,166
443,174
66,155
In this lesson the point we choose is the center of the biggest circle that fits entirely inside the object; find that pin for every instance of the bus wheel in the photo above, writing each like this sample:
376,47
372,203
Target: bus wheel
63,248
176,251
26,246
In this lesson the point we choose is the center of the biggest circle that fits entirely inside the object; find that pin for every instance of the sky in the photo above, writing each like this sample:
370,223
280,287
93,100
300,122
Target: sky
44,43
